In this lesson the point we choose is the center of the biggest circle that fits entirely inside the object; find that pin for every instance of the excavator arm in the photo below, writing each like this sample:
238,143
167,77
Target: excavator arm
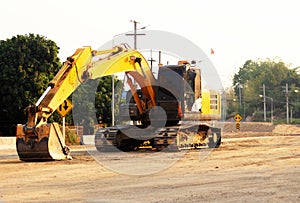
39,140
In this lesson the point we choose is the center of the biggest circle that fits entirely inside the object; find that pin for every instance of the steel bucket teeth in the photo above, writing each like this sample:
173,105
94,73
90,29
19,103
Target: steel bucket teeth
48,144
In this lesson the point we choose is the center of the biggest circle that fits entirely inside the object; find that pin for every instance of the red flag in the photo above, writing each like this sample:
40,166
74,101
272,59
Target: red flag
211,51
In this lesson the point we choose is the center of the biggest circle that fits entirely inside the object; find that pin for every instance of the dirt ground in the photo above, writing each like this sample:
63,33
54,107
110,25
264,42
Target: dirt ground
248,167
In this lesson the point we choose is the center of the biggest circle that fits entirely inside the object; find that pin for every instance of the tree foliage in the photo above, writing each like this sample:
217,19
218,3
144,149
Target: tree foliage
103,99
274,75
27,64
92,103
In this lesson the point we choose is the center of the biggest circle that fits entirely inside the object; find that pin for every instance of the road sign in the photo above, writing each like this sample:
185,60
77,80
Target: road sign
64,108
238,126
237,117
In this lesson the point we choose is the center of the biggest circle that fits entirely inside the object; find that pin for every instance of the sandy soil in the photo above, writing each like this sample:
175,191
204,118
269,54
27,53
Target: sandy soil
248,167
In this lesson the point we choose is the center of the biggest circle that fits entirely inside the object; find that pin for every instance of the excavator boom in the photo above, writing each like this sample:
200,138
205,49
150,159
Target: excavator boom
39,140
177,92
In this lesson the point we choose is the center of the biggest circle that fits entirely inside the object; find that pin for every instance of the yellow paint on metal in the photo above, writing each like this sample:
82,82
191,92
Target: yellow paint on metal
65,108
211,104
238,118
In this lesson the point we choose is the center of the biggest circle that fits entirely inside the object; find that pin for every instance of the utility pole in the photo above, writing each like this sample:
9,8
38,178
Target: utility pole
240,95
113,100
135,34
151,60
159,59
264,95
272,109
287,102
113,76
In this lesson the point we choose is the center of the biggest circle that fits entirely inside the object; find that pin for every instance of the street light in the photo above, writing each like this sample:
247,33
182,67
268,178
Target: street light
287,100
113,76
264,96
124,33
135,34
291,109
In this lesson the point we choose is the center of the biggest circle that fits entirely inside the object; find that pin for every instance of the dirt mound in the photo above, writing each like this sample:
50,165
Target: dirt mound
260,129
249,127
287,129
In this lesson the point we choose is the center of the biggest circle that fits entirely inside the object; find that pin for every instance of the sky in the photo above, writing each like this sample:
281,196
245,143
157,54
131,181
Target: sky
236,30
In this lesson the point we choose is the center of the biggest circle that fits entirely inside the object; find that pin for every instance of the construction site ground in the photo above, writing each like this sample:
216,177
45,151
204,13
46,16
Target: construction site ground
259,164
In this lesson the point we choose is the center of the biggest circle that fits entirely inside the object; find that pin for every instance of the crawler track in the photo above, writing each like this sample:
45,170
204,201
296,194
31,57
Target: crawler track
173,138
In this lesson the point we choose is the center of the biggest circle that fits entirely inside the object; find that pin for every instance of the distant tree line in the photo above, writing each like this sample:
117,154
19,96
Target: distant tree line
246,95
27,64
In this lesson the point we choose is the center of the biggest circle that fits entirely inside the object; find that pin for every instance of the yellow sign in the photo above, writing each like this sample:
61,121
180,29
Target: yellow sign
238,118
238,126
64,108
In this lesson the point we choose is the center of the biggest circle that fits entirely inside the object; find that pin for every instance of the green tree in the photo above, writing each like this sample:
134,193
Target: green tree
92,103
103,100
27,64
274,74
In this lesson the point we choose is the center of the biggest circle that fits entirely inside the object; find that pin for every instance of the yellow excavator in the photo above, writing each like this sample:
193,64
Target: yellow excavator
162,111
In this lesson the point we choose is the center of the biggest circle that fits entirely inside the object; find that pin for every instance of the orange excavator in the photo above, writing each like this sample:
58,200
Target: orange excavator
172,111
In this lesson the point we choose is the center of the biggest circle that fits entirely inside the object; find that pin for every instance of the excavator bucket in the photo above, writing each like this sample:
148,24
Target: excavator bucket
44,143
